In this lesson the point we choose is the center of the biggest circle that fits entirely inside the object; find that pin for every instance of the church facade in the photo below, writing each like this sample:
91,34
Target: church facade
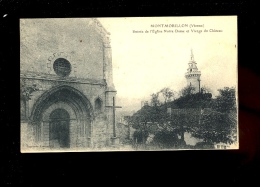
67,89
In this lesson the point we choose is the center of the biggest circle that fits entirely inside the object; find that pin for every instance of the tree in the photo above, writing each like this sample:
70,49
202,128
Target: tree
226,100
140,136
188,90
148,120
165,139
155,99
184,122
167,94
196,100
214,127
141,121
218,125
205,89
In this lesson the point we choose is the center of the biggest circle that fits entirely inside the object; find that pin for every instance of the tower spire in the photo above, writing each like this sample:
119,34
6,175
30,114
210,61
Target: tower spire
193,74
191,56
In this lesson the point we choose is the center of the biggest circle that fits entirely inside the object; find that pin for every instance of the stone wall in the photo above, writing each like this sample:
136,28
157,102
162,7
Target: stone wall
44,40
194,82
84,43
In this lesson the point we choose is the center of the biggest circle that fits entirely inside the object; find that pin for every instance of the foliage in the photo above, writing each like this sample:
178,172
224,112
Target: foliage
141,121
182,123
188,90
219,125
194,101
155,99
140,136
214,128
226,100
214,125
165,139
123,131
168,94
205,89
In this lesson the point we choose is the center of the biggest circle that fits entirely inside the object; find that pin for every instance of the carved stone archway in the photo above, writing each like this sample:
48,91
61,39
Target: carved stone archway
79,109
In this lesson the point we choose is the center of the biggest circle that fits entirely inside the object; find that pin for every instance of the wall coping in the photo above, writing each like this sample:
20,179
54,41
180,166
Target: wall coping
49,77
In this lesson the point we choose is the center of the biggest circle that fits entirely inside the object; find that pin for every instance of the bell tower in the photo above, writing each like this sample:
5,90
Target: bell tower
193,75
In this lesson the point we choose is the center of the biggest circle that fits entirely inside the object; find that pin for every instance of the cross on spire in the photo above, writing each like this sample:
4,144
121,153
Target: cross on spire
191,56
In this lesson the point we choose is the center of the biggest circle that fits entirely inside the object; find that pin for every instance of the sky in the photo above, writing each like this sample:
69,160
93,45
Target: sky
145,62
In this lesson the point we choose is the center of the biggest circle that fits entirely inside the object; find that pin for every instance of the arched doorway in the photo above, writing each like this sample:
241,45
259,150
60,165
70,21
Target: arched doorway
59,128
63,110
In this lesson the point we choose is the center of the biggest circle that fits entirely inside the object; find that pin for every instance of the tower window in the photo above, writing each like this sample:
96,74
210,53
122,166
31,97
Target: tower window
190,70
62,67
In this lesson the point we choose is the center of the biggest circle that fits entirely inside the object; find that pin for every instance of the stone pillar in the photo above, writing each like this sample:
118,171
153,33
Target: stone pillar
81,140
73,133
46,133
78,133
87,133
24,135
40,133
30,135
84,136
90,134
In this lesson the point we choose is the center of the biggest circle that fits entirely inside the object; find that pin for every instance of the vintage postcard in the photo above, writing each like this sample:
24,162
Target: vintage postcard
128,84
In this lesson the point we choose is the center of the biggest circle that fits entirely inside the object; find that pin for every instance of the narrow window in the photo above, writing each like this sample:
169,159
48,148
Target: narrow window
98,105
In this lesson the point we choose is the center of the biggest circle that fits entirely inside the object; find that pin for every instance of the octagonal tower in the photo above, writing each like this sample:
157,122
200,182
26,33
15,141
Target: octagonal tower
193,74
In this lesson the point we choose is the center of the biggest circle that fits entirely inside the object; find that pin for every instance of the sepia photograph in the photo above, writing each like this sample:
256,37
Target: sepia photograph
128,84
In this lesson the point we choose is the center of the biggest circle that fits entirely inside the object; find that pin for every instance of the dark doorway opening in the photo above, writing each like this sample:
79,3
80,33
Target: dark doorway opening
59,129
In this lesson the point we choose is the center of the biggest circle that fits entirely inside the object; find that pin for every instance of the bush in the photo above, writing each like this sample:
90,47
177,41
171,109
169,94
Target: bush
165,139
140,136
